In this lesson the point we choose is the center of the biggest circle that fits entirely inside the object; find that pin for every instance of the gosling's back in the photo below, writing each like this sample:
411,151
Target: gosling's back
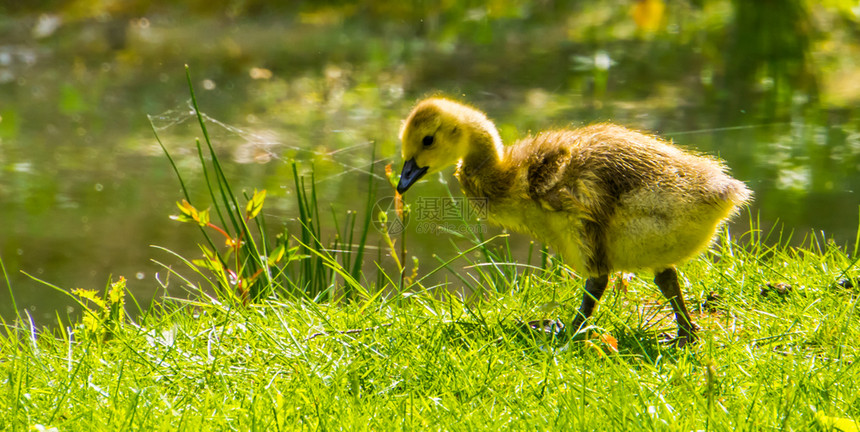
607,197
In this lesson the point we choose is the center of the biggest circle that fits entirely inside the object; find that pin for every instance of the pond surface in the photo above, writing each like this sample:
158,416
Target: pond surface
85,190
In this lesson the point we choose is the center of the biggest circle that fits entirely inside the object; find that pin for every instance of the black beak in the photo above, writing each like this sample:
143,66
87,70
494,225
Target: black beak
410,174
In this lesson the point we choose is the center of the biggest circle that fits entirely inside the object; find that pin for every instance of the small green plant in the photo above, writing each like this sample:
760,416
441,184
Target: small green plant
401,211
229,276
333,271
253,264
102,315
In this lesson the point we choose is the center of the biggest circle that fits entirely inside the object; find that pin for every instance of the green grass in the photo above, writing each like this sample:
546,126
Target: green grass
307,342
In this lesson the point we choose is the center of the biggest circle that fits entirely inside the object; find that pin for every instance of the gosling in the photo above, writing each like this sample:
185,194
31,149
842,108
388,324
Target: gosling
606,198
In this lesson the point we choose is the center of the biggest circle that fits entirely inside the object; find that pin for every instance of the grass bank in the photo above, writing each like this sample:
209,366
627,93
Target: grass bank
769,358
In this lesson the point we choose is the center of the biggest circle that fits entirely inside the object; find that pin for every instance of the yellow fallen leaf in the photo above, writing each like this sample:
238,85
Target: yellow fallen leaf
611,342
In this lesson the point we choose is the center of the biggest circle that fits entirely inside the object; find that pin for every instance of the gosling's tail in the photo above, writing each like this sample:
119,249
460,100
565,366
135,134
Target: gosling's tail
735,192
730,194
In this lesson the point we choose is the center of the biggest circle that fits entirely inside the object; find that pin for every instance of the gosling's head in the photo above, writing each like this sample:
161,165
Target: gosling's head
433,137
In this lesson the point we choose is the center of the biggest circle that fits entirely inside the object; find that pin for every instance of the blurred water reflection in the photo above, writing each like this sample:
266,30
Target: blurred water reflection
769,86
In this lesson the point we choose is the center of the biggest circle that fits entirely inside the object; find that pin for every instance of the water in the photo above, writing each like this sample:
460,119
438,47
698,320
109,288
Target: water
85,190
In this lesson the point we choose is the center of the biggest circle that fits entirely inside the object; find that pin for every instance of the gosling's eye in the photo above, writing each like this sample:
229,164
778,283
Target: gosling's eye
427,141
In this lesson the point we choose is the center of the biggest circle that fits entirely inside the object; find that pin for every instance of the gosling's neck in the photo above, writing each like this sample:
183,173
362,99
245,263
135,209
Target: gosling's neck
484,148
480,170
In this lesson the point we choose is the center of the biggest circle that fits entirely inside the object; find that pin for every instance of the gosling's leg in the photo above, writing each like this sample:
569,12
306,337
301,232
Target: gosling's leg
594,288
667,281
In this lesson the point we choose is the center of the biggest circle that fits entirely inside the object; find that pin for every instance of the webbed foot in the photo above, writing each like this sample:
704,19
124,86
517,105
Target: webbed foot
685,337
